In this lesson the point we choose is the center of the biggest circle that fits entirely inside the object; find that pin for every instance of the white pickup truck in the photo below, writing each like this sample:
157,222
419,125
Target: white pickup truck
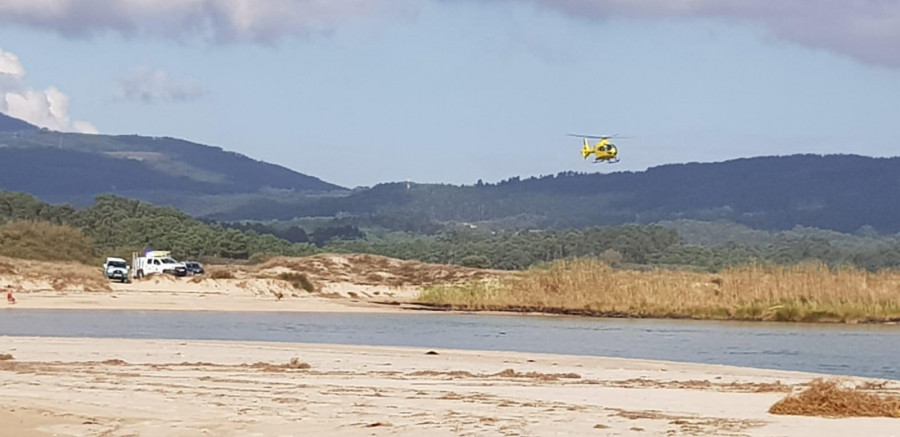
116,268
155,262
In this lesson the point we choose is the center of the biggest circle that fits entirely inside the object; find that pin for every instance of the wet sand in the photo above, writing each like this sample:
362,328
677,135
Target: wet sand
118,387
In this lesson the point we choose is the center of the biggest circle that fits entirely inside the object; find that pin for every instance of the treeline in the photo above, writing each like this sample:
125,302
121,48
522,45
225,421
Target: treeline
630,245
519,250
296,234
120,226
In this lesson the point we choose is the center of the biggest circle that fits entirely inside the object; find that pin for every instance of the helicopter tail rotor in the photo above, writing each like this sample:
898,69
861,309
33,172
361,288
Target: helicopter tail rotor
586,148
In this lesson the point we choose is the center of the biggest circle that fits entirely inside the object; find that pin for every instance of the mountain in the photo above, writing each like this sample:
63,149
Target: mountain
10,124
74,168
844,193
837,192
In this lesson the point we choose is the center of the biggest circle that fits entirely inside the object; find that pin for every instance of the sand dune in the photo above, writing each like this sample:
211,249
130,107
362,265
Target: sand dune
330,283
339,283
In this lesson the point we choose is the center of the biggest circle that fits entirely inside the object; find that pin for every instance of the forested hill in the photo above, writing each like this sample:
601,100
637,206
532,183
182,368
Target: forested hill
839,192
74,168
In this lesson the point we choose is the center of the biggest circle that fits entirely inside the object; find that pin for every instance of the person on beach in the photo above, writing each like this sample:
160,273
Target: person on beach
9,296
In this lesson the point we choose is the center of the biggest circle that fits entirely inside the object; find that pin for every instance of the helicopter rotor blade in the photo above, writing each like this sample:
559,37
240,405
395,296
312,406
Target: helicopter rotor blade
596,137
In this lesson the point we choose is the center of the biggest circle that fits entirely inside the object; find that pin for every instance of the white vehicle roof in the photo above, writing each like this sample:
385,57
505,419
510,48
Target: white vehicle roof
112,259
157,254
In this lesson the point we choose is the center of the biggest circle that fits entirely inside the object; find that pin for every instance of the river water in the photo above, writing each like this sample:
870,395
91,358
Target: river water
862,350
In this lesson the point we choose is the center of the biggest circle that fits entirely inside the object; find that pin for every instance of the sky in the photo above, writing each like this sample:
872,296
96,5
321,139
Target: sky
359,92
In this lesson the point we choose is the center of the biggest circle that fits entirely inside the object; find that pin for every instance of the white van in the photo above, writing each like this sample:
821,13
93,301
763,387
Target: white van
155,262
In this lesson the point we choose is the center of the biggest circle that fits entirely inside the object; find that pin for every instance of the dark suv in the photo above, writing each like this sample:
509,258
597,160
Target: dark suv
194,268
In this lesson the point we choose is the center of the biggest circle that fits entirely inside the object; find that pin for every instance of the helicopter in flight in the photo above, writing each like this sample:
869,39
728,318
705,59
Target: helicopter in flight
603,150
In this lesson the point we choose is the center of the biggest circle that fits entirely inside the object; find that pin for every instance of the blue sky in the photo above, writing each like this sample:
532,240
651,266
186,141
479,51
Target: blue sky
358,92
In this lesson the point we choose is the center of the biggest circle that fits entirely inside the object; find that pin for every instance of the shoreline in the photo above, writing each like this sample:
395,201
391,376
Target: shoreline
566,312
231,301
177,387
174,300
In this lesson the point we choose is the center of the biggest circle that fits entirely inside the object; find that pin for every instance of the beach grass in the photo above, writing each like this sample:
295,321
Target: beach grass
811,292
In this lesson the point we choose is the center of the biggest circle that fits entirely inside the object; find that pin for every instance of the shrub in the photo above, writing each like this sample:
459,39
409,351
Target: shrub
43,241
221,274
475,261
298,280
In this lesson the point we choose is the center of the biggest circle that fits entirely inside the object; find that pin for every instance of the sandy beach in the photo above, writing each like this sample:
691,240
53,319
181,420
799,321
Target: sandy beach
122,387
119,387
189,300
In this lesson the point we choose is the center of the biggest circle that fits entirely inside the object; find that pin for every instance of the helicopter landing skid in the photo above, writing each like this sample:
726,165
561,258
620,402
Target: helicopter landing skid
607,161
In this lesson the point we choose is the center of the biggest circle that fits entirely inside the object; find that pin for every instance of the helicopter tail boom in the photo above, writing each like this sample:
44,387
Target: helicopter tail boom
586,149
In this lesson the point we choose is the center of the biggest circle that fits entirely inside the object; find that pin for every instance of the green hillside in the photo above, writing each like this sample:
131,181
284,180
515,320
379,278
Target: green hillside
74,168
838,192
844,193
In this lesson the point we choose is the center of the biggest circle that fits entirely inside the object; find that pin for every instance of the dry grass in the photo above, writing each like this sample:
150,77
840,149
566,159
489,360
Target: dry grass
293,364
832,399
808,293
44,241
220,273
505,373
298,280
60,276
7,267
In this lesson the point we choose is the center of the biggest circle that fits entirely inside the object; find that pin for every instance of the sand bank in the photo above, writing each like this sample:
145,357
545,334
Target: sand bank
117,387
181,300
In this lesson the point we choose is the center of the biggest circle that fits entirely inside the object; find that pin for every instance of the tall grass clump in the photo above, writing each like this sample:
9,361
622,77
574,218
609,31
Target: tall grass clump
807,292
221,273
43,241
298,280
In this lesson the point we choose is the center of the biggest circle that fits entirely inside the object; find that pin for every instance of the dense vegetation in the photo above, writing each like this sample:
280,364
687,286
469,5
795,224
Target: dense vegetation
809,292
119,226
116,225
630,245
46,242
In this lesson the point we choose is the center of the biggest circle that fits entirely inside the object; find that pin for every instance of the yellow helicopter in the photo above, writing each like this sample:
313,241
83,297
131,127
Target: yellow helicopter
603,150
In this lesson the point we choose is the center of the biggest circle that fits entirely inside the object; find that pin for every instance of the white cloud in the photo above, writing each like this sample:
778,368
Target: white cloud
154,85
216,20
48,108
10,65
866,30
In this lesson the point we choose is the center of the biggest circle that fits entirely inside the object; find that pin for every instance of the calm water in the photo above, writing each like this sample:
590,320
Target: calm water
864,350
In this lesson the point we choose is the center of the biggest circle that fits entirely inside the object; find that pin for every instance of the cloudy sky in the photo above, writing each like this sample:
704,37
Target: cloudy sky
365,91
